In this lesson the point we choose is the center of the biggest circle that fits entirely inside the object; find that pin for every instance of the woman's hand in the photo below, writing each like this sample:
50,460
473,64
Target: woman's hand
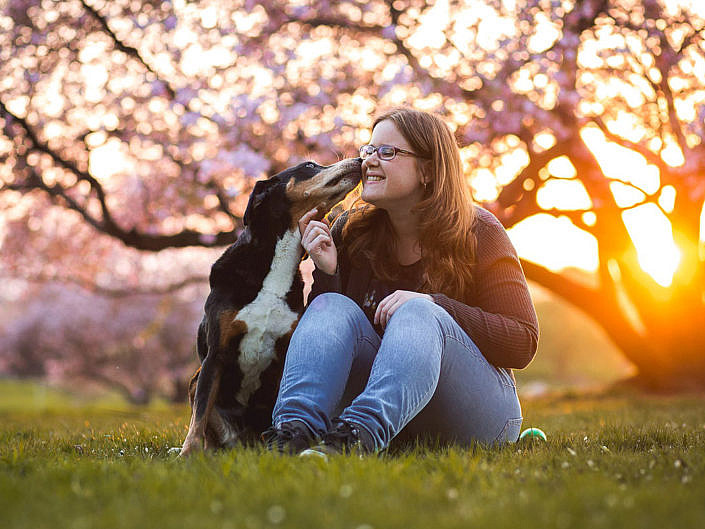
318,242
392,302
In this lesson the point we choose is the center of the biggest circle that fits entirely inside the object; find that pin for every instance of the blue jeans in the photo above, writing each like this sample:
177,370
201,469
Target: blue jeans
425,376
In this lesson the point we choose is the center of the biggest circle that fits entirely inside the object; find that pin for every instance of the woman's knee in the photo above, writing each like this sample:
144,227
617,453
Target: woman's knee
418,321
334,324
419,311
332,302
332,312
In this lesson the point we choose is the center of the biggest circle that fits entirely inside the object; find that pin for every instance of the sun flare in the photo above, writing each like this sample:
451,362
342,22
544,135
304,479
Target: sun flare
651,232
555,243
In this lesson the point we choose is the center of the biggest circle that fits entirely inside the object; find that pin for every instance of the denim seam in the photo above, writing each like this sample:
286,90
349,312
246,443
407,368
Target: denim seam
507,423
478,354
474,351
506,379
432,388
418,401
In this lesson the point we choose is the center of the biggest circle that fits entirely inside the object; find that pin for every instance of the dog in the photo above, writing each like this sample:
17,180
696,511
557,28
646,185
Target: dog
255,302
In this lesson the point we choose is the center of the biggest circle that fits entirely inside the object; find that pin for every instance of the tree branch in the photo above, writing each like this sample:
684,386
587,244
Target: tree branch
573,292
666,59
38,145
115,293
132,237
440,85
575,216
591,302
664,67
128,50
55,192
647,153
444,87
512,193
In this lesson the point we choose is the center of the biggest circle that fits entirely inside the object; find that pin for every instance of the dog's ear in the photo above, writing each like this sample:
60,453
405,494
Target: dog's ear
256,197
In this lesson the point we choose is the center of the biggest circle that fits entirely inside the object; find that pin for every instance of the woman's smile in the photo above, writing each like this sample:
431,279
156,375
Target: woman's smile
374,177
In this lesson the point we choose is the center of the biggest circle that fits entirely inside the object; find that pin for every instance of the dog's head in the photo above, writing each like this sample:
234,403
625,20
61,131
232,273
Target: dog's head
296,190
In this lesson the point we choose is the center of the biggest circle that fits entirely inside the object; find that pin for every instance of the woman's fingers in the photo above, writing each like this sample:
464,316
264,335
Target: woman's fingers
305,220
321,242
317,241
389,305
316,227
382,314
315,234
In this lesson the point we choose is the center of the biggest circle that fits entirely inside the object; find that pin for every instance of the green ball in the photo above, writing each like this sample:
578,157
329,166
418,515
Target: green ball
533,434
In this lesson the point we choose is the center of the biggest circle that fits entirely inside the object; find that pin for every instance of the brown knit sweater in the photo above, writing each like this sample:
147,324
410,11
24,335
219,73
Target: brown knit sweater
499,316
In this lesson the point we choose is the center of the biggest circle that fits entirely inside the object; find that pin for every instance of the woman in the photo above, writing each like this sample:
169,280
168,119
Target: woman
418,311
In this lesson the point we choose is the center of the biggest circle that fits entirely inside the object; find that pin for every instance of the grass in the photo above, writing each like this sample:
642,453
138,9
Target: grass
620,460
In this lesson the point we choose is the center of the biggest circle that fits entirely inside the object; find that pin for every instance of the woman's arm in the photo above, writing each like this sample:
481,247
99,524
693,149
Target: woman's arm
501,319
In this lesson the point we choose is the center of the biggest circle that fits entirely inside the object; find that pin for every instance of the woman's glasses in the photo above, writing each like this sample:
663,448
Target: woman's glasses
384,152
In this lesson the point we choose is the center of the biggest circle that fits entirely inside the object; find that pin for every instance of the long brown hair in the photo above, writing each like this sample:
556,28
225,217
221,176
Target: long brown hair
445,212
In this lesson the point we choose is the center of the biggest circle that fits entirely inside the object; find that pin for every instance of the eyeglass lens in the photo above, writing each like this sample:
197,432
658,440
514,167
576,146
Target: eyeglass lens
385,152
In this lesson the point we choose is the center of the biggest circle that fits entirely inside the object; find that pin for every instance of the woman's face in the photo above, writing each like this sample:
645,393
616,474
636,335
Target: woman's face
393,185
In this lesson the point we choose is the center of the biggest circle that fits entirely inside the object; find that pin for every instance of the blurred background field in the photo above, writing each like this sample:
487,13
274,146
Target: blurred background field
574,355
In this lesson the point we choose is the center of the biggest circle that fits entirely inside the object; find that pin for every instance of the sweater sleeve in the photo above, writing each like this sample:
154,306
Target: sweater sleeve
501,319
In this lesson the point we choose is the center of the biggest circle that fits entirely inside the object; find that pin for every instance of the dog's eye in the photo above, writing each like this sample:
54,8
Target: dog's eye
310,165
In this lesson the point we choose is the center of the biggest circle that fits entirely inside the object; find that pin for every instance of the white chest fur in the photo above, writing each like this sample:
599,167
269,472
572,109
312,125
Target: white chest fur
268,317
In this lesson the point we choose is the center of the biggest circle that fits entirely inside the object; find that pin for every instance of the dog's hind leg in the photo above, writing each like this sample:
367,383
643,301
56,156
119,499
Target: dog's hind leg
220,433
203,401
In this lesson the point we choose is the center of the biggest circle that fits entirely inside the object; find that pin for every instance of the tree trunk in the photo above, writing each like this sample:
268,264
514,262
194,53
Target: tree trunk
668,348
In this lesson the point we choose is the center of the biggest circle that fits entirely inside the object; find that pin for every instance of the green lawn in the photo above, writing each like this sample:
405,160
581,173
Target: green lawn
611,461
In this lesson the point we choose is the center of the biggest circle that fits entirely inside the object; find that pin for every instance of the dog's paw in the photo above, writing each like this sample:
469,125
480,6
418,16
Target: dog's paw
190,448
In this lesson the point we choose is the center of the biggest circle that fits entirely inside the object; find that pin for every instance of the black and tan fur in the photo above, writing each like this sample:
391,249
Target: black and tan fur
255,301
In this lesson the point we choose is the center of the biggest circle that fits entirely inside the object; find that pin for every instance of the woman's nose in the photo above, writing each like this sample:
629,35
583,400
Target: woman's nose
370,160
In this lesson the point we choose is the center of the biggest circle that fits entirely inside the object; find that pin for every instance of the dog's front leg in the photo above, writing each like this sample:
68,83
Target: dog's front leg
204,398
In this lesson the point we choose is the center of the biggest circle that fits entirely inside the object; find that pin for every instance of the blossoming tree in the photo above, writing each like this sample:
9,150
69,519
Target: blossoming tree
132,131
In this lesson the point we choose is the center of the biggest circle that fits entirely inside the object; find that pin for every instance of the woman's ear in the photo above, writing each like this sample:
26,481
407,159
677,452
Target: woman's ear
425,172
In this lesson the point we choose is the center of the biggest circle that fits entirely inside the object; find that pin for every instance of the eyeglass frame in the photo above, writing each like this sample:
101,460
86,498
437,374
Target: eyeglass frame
396,151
